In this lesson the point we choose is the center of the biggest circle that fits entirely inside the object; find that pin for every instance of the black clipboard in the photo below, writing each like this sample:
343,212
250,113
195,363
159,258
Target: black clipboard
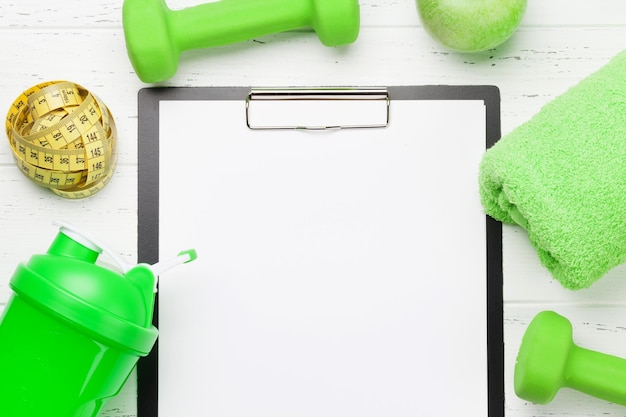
150,101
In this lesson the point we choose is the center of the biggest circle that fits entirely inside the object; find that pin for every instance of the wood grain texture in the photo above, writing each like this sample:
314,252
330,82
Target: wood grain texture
559,43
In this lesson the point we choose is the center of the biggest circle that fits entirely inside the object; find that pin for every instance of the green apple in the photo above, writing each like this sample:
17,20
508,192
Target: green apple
471,25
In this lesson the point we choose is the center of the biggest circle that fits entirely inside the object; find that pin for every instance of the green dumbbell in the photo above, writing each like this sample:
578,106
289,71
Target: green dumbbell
549,360
155,35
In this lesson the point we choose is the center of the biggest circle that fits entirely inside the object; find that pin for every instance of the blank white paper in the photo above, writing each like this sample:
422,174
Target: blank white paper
339,273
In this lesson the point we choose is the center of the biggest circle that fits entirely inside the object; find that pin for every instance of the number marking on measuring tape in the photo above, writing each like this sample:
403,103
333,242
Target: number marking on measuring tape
63,137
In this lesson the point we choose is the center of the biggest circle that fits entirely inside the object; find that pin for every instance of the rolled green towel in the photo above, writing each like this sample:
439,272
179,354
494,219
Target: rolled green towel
562,177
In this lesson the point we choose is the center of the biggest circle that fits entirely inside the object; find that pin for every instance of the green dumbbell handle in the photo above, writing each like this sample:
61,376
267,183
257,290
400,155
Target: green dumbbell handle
549,360
228,21
597,374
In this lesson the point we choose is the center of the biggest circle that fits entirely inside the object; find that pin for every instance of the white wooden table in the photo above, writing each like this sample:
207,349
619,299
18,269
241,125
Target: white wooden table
559,43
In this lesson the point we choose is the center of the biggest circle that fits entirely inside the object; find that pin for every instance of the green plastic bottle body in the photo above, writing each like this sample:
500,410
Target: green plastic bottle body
50,369
72,332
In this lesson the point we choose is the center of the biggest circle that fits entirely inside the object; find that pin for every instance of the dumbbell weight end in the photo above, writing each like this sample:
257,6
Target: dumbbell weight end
549,360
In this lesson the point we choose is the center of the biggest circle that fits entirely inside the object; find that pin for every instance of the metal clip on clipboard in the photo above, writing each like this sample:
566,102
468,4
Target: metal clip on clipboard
317,109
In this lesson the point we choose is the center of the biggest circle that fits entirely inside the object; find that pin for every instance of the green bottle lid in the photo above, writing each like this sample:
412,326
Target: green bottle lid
113,307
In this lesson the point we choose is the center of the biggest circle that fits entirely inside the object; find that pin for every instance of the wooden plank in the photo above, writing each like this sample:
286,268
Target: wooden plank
531,69
108,13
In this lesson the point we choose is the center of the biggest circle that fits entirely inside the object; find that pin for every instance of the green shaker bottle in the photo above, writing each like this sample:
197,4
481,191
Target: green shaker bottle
73,331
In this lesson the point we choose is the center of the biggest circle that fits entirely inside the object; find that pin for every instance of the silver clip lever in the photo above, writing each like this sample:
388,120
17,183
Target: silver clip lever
317,109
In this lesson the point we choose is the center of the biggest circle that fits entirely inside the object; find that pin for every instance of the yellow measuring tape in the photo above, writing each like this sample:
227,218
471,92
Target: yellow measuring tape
63,138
